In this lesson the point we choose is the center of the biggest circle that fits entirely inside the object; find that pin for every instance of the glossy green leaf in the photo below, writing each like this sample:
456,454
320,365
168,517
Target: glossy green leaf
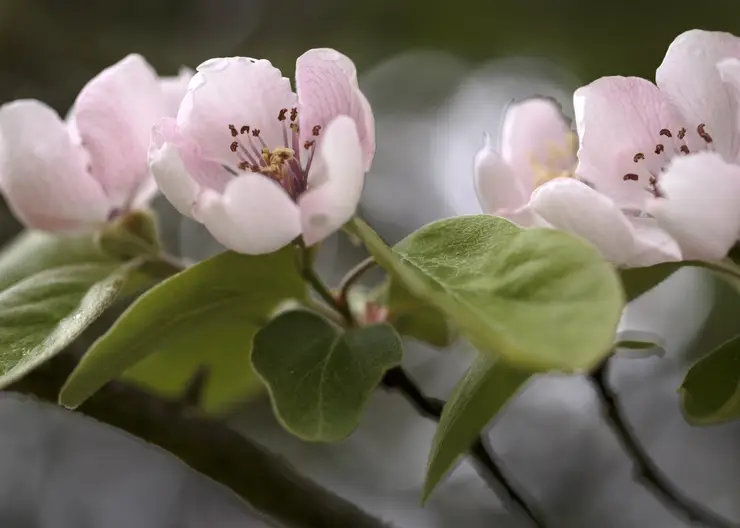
710,392
486,388
215,305
319,377
539,298
415,318
43,313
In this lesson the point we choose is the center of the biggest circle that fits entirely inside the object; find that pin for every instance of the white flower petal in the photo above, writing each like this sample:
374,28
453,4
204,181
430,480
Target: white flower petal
325,208
688,75
174,89
653,244
499,188
172,178
570,205
43,173
701,208
253,216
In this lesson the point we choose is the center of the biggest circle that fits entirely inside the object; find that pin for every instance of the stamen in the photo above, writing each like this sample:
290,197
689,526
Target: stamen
639,156
701,130
659,148
685,149
232,128
281,115
234,145
681,133
315,130
244,130
631,176
665,132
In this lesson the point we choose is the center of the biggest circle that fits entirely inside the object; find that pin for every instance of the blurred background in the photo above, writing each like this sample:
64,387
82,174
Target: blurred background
438,75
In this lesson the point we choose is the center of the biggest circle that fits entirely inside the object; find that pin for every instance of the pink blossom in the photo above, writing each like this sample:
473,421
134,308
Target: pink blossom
260,165
73,174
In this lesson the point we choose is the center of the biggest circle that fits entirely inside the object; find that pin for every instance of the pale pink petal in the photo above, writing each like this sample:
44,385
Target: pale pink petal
114,114
499,188
240,92
619,121
174,89
570,205
701,208
535,131
688,75
43,174
326,82
173,179
253,216
327,207
653,244
145,194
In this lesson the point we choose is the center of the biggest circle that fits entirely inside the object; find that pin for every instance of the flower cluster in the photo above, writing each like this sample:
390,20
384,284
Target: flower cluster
656,175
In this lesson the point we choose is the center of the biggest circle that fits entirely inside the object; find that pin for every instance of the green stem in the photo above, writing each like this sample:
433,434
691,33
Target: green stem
352,277
210,447
317,284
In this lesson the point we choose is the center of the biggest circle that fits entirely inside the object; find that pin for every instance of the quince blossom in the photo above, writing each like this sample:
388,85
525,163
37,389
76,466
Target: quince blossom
73,174
260,165
658,174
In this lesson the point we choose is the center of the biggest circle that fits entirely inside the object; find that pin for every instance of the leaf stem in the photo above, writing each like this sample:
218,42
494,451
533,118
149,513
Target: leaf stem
397,379
646,470
352,277
317,284
209,446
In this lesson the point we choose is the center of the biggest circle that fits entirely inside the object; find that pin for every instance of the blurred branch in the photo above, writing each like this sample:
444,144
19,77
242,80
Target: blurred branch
397,379
209,446
646,471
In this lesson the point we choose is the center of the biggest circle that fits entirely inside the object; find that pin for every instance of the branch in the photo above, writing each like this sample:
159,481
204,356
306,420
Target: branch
646,470
397,379
209,446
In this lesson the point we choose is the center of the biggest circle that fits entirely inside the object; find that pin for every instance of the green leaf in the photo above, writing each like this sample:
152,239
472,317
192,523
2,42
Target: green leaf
418,319
710,392
540,298
43,313
637,281
320,378
206,314
487,386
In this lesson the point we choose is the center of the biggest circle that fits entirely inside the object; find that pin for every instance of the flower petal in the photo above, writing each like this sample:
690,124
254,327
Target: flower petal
535,131
498,187
688,75
253,216
653,244
327,207
42,172
326,82
174,89
619,119
570,205
701,208
173,179
235,91
114,114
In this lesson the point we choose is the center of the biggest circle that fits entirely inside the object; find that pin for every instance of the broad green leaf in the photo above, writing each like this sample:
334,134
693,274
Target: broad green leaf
637,281
319,377
487,386
43,313
539,298
710,392
418,319
215,305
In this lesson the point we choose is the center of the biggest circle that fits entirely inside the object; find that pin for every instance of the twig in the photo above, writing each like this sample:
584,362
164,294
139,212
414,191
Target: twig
209,446
646,470
353,276
305,266
397,379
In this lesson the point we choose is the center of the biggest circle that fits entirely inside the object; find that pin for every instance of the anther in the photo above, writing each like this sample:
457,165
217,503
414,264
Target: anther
315,130
234,145
256,132
293,114
234,133
244,129
308,144
628,177
665,132
703,133
294,127
659,148
639,156
243,165
681,133
281,115
684,149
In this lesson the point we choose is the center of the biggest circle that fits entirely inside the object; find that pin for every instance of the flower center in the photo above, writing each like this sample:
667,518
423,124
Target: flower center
280,163
649,168
558,162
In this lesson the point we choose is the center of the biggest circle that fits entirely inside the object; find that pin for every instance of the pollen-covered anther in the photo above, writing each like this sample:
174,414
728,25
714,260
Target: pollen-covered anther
681,133
256,132
639,156
316,130
308,144
293,114
281,115
233,131
701,130
234,146
659,148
